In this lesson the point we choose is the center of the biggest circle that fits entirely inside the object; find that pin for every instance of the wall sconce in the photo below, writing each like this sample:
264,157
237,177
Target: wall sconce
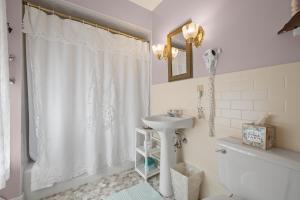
160,51
193,33
174,52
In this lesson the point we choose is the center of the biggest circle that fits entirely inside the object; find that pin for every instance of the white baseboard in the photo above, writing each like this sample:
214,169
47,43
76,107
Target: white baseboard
21,197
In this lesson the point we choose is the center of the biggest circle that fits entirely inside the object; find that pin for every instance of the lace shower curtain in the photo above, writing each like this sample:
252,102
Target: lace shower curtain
88,90
4,100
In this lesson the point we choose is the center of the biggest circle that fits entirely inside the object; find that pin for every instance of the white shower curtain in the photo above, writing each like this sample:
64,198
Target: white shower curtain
4,100
88,90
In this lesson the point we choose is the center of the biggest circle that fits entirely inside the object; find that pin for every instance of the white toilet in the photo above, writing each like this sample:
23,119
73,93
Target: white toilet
254,174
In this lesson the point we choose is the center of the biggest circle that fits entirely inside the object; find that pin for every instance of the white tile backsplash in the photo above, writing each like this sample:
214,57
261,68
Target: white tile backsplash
242,105
237,123
218,95
233,114
270,93
251,115
223,104
243,102
274,105
241,85
231,95
222,121
255,95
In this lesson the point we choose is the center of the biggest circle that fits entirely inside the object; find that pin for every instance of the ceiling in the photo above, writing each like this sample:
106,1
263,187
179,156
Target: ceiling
148,4
75,10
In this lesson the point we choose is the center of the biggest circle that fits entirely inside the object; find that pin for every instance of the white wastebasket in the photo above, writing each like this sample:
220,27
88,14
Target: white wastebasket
186,181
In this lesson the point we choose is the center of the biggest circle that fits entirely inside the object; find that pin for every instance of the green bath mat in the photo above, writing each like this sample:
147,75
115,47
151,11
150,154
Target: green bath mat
142,191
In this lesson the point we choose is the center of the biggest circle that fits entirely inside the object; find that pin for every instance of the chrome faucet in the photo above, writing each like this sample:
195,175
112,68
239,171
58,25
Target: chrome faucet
174,113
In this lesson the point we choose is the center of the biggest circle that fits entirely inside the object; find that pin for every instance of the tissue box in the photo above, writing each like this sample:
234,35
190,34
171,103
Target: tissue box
261,136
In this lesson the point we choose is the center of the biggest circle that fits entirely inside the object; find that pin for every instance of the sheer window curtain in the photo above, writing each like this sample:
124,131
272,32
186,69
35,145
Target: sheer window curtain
4,100
88,90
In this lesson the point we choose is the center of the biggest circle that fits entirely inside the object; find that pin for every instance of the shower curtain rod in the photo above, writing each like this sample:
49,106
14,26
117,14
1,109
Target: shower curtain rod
65,16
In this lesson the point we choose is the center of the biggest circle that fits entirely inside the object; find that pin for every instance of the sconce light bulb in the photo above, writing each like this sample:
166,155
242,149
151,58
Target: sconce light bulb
190,31
174,52
158,50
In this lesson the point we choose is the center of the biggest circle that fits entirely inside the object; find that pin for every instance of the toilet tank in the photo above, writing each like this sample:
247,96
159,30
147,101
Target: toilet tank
254,174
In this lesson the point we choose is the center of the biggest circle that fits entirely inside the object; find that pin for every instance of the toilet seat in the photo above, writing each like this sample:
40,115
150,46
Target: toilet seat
222,197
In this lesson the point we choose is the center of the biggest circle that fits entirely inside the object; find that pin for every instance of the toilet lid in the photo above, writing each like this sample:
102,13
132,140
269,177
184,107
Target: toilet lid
222,197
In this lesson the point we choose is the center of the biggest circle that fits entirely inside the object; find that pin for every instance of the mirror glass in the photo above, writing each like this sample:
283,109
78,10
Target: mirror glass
178,54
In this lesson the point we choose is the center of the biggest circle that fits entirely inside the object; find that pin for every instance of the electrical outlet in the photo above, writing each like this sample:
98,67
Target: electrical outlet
200,90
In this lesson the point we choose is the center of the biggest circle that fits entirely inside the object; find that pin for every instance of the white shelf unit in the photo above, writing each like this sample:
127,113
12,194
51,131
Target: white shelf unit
142,154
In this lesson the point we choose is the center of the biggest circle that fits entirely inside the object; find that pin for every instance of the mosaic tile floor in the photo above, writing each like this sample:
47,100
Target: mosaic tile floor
104,187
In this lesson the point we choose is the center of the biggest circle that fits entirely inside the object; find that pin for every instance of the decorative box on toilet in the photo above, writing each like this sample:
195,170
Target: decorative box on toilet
261,136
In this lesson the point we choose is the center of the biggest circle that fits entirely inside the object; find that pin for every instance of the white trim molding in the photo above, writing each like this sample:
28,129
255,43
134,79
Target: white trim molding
21,197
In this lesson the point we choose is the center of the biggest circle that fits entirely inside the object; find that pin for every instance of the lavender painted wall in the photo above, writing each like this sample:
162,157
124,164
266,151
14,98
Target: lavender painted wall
14,17
121,9
245,30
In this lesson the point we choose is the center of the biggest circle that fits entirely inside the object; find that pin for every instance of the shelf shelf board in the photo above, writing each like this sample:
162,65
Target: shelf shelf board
142,151
156,156
141,170
156,139
144,131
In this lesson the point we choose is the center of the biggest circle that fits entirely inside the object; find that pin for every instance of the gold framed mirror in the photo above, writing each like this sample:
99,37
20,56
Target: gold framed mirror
180,55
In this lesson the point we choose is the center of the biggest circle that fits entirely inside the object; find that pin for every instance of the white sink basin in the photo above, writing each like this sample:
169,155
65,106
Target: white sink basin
166,126
159,122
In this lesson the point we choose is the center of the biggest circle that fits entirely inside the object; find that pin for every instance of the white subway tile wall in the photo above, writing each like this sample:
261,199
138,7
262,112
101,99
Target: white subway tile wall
242,105
245,96
222,121
222,104
254,95
233,114
231,95
241,97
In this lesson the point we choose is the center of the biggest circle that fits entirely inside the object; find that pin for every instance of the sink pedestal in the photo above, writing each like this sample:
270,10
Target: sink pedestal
166,125
167,160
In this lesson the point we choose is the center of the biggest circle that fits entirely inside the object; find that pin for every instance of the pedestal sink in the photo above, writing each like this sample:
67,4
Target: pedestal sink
166,126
